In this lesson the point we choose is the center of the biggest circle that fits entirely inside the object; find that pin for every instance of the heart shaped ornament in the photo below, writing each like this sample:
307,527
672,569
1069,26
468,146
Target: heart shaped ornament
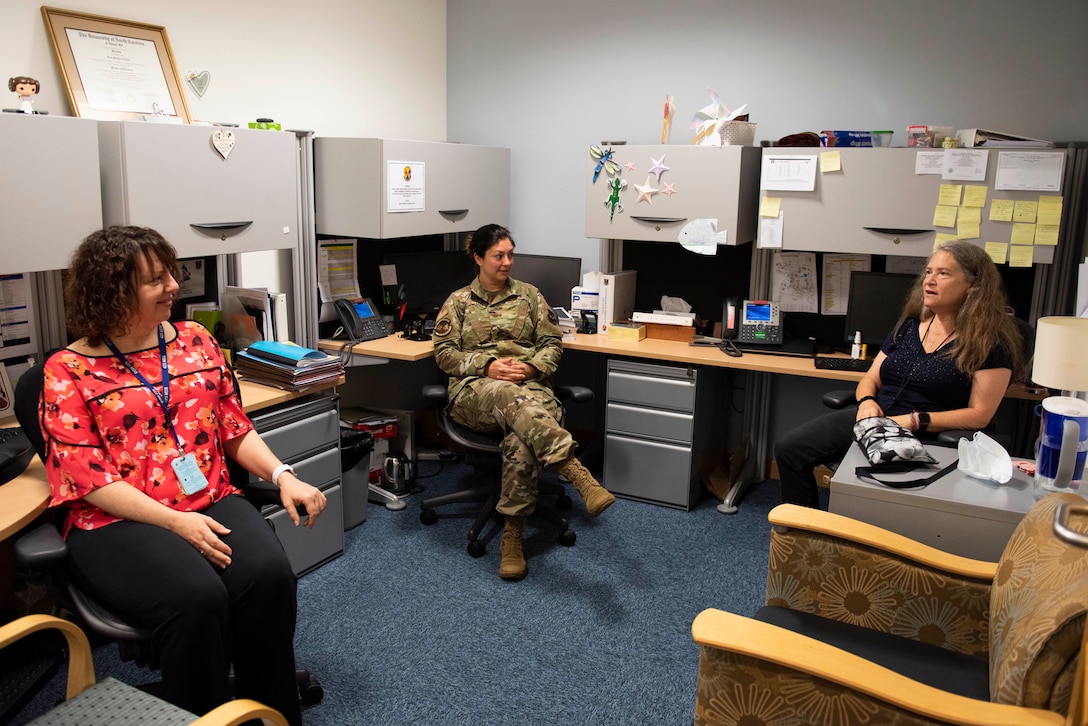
223,141
198,82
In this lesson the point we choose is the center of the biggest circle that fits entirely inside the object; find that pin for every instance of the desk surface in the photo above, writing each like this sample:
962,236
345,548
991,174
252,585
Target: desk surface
25,497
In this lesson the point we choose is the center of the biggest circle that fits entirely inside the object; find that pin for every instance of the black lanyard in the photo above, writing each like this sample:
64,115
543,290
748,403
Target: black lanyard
163,396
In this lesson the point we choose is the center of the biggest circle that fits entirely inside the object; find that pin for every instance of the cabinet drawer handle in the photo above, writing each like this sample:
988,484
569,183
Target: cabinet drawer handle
222,228
452,212
897,230
659,220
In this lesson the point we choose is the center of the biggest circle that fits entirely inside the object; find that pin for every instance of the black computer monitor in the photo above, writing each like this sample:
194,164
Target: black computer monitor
430,277
874,304
553,276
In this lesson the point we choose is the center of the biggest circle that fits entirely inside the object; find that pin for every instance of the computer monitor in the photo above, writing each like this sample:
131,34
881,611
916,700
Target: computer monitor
874,305
553,276
430,277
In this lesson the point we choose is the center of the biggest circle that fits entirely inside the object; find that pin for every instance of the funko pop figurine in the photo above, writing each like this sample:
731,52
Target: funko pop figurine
25,88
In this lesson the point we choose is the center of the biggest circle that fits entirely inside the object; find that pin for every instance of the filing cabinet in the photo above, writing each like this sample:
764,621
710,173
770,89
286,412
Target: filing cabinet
661,426
306,434
205,202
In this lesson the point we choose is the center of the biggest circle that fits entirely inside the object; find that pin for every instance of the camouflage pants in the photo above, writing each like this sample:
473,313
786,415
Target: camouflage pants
528,414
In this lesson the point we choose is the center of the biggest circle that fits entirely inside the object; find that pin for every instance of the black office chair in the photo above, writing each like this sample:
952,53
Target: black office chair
43,550
484,450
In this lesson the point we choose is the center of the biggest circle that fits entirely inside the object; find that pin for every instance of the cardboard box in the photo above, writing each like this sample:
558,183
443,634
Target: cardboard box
583,299
627,331
659,331
381,425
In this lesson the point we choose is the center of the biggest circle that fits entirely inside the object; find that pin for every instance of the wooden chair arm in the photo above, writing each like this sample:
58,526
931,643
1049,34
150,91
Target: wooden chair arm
762,641
80,663
240,711
835,525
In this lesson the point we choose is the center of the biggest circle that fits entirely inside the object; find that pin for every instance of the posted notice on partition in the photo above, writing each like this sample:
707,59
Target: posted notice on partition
407,186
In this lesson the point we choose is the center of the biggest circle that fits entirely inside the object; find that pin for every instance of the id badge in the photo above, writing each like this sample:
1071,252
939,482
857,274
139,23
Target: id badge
190,477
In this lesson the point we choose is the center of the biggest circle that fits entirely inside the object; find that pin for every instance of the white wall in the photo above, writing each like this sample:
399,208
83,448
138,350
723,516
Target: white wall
549,78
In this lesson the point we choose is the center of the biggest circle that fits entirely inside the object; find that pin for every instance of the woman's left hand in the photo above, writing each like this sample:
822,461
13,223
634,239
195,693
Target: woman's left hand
295,493
508,369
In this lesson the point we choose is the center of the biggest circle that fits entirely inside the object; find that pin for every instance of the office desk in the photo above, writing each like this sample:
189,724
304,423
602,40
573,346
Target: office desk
956,513
25,497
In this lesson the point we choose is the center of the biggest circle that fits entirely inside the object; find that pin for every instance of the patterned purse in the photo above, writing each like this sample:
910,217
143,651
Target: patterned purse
889,449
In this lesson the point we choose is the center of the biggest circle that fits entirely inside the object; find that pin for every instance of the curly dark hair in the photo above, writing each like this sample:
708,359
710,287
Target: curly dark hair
100,291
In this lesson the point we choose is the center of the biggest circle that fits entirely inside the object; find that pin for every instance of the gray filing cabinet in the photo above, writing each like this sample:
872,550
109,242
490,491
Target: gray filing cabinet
661,423
306,434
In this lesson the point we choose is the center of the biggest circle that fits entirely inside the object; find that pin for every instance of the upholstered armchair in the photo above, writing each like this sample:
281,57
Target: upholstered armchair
863,626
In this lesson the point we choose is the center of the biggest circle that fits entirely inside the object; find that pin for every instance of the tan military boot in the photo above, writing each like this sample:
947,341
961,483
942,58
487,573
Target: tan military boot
596,497
512,566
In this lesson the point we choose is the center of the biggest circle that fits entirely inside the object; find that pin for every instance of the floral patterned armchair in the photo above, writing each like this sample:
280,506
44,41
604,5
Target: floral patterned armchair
919,636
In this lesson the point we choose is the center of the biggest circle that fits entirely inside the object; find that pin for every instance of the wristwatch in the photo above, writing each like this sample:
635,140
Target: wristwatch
278,472
923,421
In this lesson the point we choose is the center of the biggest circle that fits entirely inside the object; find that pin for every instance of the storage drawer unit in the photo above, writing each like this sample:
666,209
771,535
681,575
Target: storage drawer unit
305,433
661,423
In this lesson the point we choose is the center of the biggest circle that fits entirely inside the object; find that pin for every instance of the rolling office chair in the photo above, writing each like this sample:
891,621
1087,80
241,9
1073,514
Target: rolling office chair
486,449
43,550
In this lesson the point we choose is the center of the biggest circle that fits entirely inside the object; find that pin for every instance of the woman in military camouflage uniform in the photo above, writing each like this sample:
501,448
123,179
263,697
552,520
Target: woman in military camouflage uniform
500,343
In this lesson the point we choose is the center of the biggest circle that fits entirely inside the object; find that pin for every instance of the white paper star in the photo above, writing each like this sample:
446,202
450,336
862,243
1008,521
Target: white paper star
658,166
668,191
646,192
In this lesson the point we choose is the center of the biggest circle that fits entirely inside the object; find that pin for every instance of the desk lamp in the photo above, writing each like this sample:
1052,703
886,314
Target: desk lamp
1061,362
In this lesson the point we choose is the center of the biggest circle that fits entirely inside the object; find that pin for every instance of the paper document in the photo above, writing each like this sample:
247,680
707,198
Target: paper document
1030,170
793,281
788,172
836,280
337,271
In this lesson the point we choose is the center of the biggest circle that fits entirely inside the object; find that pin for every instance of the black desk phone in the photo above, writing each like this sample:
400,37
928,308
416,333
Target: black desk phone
760,322
361,320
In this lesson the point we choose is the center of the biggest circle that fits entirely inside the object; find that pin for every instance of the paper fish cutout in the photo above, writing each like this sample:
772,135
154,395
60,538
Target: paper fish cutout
701,236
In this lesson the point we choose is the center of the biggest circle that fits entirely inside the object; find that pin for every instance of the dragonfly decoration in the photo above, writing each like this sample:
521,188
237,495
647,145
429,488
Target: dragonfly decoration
613,202
604,161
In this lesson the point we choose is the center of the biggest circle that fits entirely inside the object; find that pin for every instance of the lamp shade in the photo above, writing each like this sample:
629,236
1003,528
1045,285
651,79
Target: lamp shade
1061,353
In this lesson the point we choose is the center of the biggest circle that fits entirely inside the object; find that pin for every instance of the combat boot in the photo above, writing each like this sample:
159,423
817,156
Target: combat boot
596,497
512,566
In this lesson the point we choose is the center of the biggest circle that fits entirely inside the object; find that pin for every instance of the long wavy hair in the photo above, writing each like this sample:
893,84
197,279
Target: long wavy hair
983,321
102,285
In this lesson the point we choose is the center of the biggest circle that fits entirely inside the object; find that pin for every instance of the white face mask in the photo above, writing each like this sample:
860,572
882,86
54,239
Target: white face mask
984,458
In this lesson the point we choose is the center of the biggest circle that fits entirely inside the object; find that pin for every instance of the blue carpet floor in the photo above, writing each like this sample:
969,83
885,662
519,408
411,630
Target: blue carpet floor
406,627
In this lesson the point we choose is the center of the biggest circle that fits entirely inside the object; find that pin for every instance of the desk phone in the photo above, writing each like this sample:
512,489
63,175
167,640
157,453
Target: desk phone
760,322
361,320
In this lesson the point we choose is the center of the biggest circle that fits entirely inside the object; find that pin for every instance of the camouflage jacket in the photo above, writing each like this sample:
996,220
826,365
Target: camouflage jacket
471,332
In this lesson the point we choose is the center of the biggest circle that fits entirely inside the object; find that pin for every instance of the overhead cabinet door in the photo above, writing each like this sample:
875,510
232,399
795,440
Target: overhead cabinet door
208,190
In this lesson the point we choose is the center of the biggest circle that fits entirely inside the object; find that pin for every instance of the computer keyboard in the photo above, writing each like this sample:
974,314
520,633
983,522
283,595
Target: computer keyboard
835,363
16,451
10,433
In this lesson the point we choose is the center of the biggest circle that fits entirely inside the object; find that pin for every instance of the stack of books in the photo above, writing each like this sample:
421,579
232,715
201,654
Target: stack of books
286,365
567,323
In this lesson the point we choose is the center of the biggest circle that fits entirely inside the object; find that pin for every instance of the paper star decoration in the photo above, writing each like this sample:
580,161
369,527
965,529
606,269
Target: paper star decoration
646,192
669,190
630,166
658,166
708,120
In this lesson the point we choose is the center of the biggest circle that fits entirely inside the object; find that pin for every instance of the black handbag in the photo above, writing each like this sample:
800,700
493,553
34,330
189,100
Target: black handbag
891,449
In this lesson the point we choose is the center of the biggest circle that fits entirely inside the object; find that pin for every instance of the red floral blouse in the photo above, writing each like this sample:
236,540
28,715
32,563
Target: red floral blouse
101,425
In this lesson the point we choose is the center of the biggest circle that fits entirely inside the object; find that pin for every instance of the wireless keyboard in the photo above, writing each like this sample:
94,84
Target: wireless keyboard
835,363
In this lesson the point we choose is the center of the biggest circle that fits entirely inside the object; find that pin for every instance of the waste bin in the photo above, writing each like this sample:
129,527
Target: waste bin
355,447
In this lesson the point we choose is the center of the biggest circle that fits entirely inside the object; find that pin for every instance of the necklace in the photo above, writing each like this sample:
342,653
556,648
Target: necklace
926,335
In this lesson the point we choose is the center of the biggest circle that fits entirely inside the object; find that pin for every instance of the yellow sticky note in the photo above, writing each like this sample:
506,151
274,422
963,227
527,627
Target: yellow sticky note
1021,256
1049,218
770,206
1001,210
944,216
950,195
830,161
1050,203
941,238
974,196
971,215
1023,234
998,252
1025,211
967,230
1046,234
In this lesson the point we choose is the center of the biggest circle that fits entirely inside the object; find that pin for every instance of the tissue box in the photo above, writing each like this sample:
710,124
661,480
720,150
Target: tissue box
846,138
627,331
584,299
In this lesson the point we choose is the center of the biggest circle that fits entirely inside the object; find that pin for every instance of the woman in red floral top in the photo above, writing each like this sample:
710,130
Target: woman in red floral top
155,528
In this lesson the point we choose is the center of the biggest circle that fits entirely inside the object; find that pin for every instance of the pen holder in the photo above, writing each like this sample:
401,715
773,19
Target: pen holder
738,133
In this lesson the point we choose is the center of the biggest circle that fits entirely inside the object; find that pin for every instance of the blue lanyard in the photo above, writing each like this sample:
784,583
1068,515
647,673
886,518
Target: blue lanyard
163,396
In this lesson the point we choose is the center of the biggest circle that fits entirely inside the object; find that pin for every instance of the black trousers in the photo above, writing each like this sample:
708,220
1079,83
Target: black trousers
204,618
823,440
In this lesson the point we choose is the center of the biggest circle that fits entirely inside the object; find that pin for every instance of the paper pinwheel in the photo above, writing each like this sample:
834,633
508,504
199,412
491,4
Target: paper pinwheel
708,120
604,161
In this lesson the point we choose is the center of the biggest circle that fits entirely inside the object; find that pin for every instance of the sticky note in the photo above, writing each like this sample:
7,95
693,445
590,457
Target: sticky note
950,195
944,216
770,206
941,238
1023,234
1021,256
974,196
1025,211
1048,218
998,252
1046,234
971,215
967,230
830,161
1001,210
